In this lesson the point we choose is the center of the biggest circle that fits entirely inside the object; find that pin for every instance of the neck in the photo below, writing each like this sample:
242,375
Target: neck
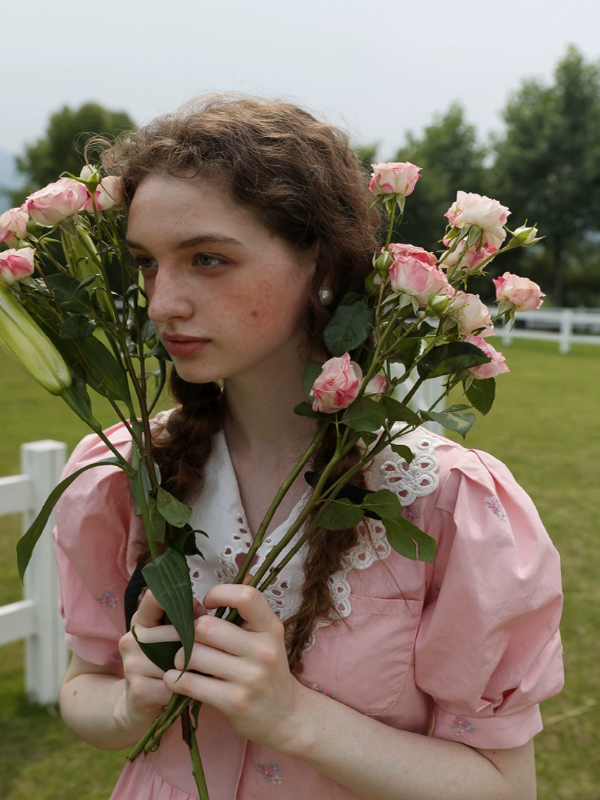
260,421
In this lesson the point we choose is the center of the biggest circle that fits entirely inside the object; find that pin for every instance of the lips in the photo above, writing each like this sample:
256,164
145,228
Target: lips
182,346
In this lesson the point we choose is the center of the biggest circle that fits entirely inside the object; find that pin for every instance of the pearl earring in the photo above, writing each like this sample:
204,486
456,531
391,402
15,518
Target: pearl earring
325,295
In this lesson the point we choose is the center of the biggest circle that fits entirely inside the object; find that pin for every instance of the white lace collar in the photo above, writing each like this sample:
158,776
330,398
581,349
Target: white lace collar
219,512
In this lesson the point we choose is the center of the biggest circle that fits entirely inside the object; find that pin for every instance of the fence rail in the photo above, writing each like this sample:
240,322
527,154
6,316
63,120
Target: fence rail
555,325
36,618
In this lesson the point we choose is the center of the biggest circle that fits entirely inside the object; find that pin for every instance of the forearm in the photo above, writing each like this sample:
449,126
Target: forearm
93,707
382,763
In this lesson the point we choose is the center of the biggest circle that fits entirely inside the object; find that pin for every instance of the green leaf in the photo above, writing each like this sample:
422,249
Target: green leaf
400,540
160,653
461,423
304,409
410,541
148,330
340,514
174,511
449,358
77,326
348,328
365,415
158,522
112,378
29,539
78,399
159,351
368,437
168,579
481,393
349,298
385,503
69,293
397,412
403,451
311,373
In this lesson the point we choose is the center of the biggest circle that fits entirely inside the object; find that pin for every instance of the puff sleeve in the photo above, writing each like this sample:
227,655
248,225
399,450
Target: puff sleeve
488,648
95,540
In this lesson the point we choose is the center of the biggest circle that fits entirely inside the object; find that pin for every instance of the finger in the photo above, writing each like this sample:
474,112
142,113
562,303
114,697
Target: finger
222,635
149,613
251,604
202,687
211,662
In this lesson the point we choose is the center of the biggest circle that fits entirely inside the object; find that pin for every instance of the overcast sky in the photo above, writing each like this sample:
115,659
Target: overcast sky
378,67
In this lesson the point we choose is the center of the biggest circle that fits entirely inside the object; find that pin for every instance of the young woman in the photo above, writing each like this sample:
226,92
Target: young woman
361,674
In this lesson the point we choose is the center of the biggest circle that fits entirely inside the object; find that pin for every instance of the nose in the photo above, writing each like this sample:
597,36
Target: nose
167,296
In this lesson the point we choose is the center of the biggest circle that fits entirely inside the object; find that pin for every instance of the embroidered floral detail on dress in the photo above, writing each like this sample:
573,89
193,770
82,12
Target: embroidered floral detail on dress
319,688
497,507
410,514
462,725
270,772
108,599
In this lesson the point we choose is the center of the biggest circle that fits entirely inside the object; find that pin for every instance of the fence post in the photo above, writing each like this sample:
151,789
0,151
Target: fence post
46,654
566,324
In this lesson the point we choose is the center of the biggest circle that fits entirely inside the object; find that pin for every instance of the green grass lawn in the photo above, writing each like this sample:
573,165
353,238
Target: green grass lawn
546,427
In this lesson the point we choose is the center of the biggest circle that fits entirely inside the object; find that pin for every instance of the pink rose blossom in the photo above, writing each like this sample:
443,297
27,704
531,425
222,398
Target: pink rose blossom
525,295
109,193
475,209
394,178
13,226
57,201
471,259
413,272
494,367
471,314
16,265
377,385
337,386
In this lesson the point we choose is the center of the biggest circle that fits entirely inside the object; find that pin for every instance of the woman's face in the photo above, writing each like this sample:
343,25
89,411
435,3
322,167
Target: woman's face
226,295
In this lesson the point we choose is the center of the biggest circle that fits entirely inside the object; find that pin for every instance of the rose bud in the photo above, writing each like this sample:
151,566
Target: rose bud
525,295
16,265
57,201
13,226
394,178
108,194
494,367
337,386
471,314
376,386
485,213
471,259
33,351
524,237
413,272
439,304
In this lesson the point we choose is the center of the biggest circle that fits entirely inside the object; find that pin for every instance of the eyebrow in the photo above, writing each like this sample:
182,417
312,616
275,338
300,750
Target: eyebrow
194,241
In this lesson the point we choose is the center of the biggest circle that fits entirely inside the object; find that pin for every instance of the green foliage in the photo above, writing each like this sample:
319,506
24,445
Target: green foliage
348,328
61,148
160,653
365,415
547,165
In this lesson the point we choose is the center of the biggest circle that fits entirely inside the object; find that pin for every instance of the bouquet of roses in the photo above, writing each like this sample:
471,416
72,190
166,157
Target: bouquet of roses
64,322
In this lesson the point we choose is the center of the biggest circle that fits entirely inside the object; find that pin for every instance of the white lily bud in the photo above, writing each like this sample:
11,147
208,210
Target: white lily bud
29,346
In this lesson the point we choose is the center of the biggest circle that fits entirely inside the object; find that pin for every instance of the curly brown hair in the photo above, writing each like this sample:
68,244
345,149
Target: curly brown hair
302,181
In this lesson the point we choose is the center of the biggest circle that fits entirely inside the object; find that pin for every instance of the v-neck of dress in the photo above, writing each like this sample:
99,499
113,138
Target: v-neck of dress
218,511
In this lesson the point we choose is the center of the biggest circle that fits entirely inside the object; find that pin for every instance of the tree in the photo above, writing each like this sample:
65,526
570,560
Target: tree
61,149
452,159
547,166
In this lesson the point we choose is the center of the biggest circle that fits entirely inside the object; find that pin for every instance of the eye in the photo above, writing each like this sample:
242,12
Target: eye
206,260
145,263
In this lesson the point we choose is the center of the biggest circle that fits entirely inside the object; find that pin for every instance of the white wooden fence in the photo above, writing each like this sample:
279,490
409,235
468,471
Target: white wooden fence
556,325
36,618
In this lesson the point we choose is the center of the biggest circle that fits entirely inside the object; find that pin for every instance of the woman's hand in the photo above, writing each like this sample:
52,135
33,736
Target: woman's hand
246,674
145,694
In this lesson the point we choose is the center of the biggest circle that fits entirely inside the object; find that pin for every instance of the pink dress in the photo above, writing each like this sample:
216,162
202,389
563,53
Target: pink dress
464,649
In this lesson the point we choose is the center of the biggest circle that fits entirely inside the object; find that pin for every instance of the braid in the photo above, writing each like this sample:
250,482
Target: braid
183,444
326,550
